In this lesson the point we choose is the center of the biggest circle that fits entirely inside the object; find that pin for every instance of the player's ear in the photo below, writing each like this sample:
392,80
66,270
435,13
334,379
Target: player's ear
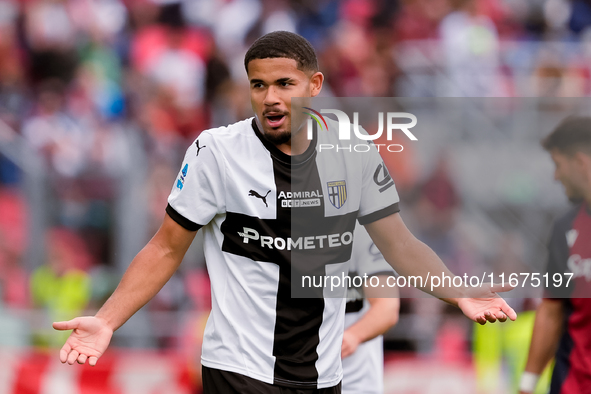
582,160
316,81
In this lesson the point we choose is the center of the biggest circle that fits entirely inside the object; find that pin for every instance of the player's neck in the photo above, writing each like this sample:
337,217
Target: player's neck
297,145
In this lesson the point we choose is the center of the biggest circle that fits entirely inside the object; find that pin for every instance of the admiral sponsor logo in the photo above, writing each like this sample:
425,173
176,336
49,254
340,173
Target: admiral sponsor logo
580,267
311,242
300,199
345,129
180,183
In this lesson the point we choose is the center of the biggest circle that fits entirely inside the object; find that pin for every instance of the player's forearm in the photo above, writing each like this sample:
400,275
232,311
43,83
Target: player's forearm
546,334
412,258
148,272
415,259
382,315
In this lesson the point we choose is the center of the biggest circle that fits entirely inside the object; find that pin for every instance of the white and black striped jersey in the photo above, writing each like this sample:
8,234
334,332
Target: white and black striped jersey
264,214
363,371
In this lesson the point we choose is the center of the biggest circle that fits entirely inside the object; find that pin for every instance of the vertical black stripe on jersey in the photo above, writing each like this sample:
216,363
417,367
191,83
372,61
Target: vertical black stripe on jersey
298,320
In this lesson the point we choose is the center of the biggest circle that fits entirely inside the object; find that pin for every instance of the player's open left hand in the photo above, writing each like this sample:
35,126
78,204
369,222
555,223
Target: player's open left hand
486,305
88,341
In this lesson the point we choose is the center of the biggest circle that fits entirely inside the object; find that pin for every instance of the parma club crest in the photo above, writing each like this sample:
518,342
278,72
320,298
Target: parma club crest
337,193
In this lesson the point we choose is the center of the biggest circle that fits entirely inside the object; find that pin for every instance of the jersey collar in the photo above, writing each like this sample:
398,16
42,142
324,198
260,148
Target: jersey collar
283,157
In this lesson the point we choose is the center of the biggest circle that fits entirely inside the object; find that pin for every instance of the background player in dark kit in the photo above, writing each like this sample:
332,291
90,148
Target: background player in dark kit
563,325
244,351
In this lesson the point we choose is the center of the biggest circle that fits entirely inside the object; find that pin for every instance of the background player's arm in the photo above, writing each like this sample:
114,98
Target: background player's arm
410,257
148,272
382,314
545,337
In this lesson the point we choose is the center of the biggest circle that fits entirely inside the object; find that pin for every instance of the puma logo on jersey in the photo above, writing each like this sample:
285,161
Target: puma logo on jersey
253,193
571,237
199,147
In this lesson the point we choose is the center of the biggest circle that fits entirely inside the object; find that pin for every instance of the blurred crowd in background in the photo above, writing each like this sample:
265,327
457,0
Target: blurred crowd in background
102,97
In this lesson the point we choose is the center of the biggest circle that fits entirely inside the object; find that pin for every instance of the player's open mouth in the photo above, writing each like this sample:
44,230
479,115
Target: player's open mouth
275,120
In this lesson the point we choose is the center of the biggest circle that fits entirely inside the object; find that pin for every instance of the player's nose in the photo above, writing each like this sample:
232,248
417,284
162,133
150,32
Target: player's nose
271,97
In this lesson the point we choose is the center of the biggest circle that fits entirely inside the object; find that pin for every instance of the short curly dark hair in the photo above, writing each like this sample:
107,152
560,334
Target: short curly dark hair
283,44
572,135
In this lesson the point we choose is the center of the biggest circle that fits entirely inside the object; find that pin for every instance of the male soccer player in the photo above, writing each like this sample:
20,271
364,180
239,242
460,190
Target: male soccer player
562,325
240,183
370,312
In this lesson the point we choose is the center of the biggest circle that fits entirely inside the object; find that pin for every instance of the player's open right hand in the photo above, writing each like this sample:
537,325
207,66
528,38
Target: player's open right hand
88,341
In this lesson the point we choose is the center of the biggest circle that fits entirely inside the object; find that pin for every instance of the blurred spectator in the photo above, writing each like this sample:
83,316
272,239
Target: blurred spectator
580,16
471,49
51,38
55,134
231,24
173,56
315,18
277,15
13,277
12,75
438,208
13,241
62,286
418,19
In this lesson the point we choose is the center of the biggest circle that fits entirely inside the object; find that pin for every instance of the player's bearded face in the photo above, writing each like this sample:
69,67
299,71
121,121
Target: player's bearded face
273,82
569,174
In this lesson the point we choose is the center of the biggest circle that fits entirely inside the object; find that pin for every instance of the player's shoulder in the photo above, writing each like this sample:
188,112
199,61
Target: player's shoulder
347,140
221,139
563,226
565,221
228,133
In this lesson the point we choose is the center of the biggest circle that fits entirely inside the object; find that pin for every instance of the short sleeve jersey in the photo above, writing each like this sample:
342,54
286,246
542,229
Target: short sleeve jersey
570,252
247,195
363,371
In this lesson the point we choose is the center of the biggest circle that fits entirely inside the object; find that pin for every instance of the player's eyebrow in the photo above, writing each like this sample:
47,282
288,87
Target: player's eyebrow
280,80
283,80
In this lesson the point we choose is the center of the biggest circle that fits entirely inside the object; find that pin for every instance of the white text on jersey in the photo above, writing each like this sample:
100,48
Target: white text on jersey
311,242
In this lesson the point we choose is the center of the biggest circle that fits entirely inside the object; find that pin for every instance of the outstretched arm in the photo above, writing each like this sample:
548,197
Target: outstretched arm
382,314
545,337
148,272
410,257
